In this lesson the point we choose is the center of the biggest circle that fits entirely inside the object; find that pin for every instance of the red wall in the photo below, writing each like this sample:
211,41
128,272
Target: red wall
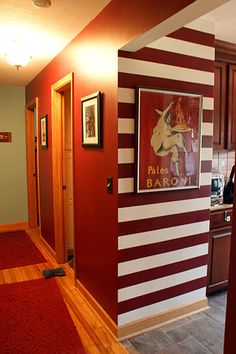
92,56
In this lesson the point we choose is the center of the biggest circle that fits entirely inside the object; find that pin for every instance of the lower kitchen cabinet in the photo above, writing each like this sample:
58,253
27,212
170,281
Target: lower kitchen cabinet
219,249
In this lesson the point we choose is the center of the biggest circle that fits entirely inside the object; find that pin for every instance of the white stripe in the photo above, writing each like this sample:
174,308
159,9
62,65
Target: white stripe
207,129
205,179
125,155
140,212
169,233
206,154
179,46
166,305
202,25
208,103
138,265
126,95
125,185
133,66
126,126
161,283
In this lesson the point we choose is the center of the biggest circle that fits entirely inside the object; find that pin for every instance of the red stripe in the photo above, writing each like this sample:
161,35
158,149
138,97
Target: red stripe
194,36
161,295
206,166
161,247
170,58
126,140
207,141
131,81
126,170
130,199
132,227
126,110
208,116
160,272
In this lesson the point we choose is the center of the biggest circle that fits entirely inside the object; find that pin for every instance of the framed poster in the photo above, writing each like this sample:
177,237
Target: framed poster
168,138
44,132
91,120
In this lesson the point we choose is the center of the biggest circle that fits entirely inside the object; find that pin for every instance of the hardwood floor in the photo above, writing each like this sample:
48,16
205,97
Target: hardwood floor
96,337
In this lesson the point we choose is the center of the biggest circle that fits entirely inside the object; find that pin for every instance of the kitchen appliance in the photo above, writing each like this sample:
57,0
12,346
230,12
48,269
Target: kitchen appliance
217,188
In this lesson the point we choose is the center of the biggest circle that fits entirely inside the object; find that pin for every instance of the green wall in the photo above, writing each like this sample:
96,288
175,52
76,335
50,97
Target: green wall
13,185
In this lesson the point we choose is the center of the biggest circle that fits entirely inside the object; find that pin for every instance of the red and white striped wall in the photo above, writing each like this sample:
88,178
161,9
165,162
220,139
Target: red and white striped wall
163,236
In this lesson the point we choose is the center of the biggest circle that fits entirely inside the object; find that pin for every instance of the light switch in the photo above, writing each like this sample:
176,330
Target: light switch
110,185
5,137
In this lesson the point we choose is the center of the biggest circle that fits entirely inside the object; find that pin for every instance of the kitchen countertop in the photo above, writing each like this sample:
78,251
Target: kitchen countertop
221,206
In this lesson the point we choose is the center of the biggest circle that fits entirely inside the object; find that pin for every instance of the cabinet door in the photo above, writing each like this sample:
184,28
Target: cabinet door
219,255
231,107
220,94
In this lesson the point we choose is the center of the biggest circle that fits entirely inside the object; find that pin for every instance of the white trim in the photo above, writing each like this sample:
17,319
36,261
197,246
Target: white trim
205,179
207,129
202,25
125,155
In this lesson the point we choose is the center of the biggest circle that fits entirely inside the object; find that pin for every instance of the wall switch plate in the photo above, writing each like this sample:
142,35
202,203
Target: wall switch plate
110,185
5,137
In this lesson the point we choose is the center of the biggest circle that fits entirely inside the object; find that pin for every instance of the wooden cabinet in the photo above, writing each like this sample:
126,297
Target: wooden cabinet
220,98
225,96
219,249
231,107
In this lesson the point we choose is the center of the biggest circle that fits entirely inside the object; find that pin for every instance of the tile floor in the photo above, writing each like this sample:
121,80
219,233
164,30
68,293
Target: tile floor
201,333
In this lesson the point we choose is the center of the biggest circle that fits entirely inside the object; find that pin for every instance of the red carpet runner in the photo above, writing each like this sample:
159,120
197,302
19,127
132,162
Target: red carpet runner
17,250
34,319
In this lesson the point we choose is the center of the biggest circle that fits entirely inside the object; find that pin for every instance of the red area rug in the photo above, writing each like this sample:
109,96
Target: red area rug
35,319
17,250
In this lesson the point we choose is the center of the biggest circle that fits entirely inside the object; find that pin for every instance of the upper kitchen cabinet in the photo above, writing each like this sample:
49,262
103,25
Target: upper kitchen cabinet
225,96
220,98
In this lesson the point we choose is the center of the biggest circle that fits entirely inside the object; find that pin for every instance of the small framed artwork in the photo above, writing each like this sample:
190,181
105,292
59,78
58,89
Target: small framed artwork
44,131
168,140
91,120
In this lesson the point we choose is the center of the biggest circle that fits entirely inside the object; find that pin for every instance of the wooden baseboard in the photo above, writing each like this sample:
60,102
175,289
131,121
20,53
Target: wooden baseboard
48,248
97,309
149,323
14,227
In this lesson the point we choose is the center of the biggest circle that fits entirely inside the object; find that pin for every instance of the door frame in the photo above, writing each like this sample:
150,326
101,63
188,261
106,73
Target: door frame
34,211
58,163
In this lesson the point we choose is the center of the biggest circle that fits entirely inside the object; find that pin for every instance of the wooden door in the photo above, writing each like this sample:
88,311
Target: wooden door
67,174
32,158
220,95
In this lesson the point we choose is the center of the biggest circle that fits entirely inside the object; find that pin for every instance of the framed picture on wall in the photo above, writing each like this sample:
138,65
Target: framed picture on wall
168,140
91,120
44,132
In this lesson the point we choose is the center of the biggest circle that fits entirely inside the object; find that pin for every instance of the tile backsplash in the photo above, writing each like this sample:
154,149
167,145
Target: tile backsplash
222,162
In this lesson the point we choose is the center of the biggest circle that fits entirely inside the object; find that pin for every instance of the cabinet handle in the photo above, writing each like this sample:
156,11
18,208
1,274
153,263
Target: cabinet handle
226,216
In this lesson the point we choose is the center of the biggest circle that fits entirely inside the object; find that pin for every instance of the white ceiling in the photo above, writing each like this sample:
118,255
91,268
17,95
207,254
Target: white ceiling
48,30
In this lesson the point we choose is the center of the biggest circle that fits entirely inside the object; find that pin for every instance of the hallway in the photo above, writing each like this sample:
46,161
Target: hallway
96,337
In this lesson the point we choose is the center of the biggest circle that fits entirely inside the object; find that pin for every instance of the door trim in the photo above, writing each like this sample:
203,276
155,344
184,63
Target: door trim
57,163
33,202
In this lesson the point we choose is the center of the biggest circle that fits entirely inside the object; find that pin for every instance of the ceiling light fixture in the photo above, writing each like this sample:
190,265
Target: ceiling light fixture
17,54
42,3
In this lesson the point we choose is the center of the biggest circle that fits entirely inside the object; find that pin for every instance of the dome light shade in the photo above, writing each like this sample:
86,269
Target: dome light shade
17,54
42,3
